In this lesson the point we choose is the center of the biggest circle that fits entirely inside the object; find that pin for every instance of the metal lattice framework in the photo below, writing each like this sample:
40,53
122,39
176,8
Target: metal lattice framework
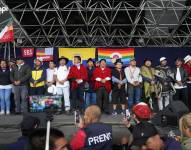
101,23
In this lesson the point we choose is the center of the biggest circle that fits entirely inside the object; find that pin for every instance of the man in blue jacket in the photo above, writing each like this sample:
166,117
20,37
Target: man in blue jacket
28,125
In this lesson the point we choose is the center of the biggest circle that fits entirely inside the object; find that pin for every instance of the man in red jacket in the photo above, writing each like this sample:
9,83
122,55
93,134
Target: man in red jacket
77,77
102,77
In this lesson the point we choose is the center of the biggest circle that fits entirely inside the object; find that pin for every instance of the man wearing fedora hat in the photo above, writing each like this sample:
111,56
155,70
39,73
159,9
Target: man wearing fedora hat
187,67
62,83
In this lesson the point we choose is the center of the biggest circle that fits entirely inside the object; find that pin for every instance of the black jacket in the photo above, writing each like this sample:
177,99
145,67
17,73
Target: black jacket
183,74
23,74
5,77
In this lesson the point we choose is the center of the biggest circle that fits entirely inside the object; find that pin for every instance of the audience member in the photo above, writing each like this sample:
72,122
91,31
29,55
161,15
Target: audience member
134,79
62,83
118,87
28,125
20,76
78,77
92,133
5,88
180,79
185,128
38,78
102,77
165,78
146,136
141,113
37,140
90,92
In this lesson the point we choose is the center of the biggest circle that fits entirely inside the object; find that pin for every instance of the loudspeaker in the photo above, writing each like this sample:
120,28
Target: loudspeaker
171,114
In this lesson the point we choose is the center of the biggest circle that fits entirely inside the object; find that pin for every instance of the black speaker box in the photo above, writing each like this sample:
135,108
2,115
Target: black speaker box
171,114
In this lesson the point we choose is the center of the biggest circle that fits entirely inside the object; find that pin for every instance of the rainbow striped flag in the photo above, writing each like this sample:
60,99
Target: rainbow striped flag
110,54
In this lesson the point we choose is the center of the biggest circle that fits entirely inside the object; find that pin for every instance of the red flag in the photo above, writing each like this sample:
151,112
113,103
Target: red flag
27,52
7,34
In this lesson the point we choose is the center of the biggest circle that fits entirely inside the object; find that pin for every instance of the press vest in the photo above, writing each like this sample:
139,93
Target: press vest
99,137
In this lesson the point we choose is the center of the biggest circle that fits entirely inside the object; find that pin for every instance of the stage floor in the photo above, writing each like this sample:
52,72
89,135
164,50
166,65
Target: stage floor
10,131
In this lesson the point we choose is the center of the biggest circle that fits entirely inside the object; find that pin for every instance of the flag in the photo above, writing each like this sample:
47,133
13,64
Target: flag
46,54
84,53
125,54
7,34
27,52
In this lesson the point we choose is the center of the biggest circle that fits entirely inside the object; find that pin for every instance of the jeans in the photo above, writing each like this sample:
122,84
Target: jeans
20,96
5,95
90,99
134,95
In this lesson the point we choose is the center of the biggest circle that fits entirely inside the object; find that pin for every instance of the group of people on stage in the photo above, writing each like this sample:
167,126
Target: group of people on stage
96,83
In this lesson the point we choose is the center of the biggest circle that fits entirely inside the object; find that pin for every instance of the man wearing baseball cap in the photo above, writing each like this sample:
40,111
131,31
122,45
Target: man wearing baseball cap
165,78
146,136
38,78
187,67
141,113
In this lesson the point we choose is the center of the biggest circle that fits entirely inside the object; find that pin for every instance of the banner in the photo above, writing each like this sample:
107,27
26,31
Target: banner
46,54
7,34
27,52
125,54
84,53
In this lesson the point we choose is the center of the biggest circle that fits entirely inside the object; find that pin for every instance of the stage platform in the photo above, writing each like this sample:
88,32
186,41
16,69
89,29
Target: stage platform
10,131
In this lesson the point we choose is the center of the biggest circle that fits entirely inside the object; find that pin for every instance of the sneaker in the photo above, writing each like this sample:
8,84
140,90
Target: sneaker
123,113
2,112
8,112
127,113
114,113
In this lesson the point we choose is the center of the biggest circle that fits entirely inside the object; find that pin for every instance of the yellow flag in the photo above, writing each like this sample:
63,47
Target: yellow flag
84,53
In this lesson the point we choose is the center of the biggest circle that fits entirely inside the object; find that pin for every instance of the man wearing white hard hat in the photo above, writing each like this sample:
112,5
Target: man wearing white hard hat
187,67
164,78
38,78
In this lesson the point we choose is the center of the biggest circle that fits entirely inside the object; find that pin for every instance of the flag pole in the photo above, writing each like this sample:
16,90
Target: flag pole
14,49
5,50
9,54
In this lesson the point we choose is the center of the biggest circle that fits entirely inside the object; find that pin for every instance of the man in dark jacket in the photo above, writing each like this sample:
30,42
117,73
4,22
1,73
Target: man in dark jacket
146,136
20,75
93,134
180,79
28,125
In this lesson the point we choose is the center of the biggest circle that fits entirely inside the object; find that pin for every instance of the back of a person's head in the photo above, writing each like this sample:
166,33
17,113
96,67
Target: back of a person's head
37,139
92,114
185,122
28,124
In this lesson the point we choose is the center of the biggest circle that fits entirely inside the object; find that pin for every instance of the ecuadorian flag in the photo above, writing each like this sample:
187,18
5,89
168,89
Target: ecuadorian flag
110,54
84,53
